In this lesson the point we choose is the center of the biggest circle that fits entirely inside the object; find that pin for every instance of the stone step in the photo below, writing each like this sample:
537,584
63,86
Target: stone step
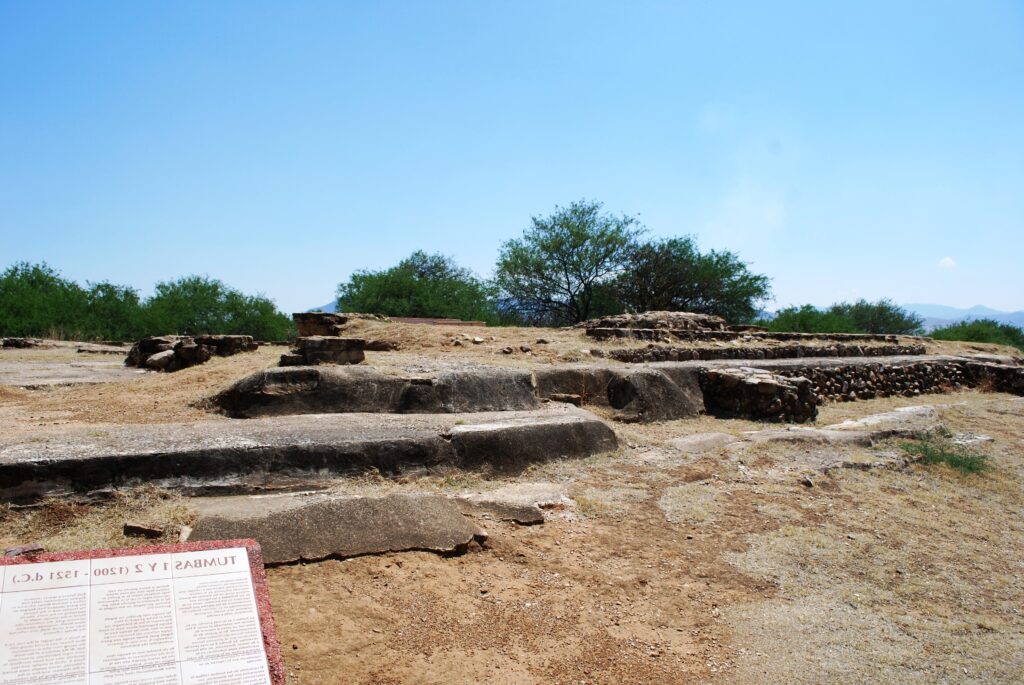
293,451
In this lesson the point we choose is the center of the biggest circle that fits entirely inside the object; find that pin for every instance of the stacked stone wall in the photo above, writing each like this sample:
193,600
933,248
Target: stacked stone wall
867,381
675,354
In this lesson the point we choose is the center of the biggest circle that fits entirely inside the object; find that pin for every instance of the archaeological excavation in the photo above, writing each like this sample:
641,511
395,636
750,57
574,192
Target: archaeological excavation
557,481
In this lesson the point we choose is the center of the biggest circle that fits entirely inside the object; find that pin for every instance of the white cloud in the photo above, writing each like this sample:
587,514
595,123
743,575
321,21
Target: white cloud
946,263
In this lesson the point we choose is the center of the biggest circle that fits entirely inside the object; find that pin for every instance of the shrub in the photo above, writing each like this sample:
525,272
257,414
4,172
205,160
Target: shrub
860,317
421,285
982,330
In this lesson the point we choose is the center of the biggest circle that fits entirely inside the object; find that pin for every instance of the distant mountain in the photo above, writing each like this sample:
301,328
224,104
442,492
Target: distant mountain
330,307
937,315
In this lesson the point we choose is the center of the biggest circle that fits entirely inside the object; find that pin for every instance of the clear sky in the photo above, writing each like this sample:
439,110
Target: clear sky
846,149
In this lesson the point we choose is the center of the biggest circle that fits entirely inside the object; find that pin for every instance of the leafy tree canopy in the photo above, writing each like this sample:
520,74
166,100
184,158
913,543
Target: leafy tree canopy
673,275
560,270
199,304
982,330
421,285
35,300
860,317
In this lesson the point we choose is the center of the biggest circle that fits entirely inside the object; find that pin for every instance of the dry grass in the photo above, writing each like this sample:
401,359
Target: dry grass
60,525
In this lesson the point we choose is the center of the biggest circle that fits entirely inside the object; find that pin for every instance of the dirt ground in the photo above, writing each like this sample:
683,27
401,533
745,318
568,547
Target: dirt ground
732,566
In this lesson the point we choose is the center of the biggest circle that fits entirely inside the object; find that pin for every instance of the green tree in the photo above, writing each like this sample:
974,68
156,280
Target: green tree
808,319
883,316
36,301
563,265
673,275
421,285
199,304
112,312
982,330
860,317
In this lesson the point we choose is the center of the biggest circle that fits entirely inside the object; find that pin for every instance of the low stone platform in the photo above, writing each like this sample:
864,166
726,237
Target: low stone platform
642,393
176,352
296,529
342,389
665,353
293,451
324,349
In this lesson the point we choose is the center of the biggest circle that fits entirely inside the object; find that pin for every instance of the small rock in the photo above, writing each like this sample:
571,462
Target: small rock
525,348
477,341
160,360
807,482
23,549
541,341
507,350
184,532
134,529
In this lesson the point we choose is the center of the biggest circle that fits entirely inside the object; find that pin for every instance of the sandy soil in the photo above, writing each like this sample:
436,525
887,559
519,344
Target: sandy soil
662,567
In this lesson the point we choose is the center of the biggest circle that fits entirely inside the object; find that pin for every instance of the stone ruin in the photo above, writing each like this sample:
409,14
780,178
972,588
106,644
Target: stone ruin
676,321
320,341
176,352
25,343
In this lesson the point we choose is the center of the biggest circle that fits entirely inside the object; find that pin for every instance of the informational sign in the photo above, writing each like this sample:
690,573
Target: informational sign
190,614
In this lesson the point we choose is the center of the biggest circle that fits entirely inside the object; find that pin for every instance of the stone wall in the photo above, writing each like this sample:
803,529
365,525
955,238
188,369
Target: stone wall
867,381
324,349
681,321
698,335
758,394
175,352
674,354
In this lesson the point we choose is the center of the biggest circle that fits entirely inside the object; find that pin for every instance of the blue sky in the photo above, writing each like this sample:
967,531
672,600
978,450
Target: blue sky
846,149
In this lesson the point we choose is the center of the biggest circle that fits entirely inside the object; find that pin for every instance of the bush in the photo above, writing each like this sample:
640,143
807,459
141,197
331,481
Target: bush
422,285
673,275
937,449
982,330
199,304
36,301
882,317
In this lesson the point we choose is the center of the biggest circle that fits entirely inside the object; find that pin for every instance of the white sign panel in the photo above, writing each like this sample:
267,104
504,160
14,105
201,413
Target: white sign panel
181,618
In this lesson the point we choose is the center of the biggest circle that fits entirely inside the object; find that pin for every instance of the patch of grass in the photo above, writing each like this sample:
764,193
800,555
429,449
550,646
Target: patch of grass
933,448
61,525
589,506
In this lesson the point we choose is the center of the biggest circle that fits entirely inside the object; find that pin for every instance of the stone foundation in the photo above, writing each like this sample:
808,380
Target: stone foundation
677,354
756,393
174,352
323,349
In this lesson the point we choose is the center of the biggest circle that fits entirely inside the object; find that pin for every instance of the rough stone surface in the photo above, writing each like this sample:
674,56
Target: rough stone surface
655,320
293,451
701,443
523,514
650,395
758,394
346,527
320,349
173,352
657,353
328,389
635,394
510,445
26,343
318,323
